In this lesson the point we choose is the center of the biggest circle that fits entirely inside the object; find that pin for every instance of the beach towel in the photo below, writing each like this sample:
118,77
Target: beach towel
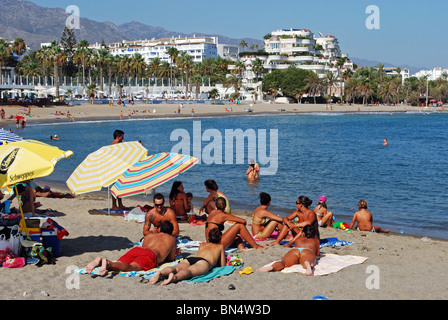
51,224
192,245
327,264
105,212
212,274
146,274
328,242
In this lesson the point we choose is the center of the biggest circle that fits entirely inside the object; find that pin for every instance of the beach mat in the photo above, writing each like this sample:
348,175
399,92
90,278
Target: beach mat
212,274
105,212
327,264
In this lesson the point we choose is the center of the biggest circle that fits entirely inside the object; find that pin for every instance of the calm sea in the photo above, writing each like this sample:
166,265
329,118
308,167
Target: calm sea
337,155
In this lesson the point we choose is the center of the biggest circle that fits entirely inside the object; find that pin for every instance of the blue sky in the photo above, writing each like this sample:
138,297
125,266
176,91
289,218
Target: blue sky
411,32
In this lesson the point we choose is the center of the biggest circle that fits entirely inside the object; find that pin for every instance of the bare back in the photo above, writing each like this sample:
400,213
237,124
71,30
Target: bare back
364,219
162,244
213,253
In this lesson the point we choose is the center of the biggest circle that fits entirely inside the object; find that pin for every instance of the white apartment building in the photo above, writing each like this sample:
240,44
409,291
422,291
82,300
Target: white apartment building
228,51
199,48
433,74
300,47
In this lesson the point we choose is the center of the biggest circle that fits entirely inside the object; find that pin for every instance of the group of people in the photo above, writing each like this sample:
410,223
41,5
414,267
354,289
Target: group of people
161,227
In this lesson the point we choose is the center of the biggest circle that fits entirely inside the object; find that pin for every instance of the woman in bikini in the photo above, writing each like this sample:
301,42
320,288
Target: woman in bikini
178,200
324,217
306,251
216,220
209,203
265,222
210,254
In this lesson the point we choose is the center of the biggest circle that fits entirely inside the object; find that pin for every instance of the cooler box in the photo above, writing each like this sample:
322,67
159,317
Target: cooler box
50,239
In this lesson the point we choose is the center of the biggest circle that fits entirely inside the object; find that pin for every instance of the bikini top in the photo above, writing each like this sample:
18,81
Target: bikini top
219,225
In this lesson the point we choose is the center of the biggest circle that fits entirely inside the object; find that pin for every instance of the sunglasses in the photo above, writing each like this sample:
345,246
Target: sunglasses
159,204
298,202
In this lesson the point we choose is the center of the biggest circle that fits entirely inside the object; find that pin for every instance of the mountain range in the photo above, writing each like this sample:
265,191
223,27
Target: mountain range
36,25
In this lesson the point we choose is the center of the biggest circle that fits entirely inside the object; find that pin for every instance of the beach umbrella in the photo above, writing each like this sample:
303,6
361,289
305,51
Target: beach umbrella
103,167
151,172
6,136
27,159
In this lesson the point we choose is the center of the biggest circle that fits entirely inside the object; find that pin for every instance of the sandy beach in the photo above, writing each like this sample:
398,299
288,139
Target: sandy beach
142,111
408,268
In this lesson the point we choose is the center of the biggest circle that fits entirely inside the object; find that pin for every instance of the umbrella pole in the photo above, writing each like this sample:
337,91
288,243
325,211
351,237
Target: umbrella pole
21,210
108,200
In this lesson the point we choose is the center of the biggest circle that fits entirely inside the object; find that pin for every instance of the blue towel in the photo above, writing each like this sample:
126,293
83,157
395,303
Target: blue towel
328,242
214,273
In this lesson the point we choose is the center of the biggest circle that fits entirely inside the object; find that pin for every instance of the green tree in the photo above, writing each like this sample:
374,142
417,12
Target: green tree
5,52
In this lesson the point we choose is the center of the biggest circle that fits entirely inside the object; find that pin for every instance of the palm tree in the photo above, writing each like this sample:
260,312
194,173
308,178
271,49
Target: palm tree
313,85
5,52
213,94
19,47
243,44
43,54
257,68
58,57
100,59
80,57
233,80
91,91
173,54
386,91
185,63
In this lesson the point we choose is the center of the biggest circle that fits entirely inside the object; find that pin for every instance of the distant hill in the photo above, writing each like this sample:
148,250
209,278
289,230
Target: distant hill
372,63
36,24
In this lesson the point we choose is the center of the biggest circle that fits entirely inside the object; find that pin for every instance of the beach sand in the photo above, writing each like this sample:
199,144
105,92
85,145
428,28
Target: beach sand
409,268
95,112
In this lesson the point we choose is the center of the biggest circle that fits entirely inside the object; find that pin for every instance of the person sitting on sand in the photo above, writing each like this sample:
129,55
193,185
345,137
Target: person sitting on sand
209,203
190,207
178,200
216,220
324,217
306,250
210,254
265,222
364,219
159,214
117,203
156,248
27,197
253,171
305,216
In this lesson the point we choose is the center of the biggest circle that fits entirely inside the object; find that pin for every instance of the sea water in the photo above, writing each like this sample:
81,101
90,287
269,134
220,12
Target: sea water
338,155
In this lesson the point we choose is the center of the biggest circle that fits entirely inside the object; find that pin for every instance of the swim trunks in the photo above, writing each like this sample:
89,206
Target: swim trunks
145,258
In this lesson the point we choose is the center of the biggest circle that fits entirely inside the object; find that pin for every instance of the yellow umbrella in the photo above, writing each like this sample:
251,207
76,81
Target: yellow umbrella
103,167
27,159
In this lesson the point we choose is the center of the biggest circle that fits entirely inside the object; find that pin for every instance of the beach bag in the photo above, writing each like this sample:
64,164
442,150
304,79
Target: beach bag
4,248
15,239
136,214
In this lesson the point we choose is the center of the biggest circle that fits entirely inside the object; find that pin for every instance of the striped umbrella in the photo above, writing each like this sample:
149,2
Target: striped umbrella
151,172
103,167
6,136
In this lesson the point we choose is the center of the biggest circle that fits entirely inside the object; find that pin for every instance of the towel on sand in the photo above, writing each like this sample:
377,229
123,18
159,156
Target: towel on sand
328,263
146,274
192,245
214,273
328,242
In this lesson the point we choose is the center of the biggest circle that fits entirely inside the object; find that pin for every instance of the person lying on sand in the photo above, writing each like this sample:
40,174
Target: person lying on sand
306,251
216,220
364,219
156,248
210,254
159,214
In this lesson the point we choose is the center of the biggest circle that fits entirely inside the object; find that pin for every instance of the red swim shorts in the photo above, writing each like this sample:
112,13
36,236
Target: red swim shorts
145,258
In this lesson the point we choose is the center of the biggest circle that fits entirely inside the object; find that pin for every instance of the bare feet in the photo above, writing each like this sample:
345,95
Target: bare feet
275,243
103,268
92,265
265,269
309,268
155,278
169,280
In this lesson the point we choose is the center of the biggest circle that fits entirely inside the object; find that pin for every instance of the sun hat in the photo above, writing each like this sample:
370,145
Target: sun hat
323,199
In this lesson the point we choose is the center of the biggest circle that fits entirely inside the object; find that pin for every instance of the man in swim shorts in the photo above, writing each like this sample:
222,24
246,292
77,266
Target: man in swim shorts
156,248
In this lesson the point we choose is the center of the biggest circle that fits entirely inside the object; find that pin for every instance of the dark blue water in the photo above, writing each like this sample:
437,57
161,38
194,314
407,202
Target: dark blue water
340,156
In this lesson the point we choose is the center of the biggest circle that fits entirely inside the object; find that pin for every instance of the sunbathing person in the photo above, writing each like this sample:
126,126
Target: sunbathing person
159,214
304,215
306,251
265,222
178,200
217,218
156,248
210,255
364,219
209,203
324,217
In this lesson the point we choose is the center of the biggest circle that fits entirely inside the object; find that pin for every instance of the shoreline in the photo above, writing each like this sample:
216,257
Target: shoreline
105,112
